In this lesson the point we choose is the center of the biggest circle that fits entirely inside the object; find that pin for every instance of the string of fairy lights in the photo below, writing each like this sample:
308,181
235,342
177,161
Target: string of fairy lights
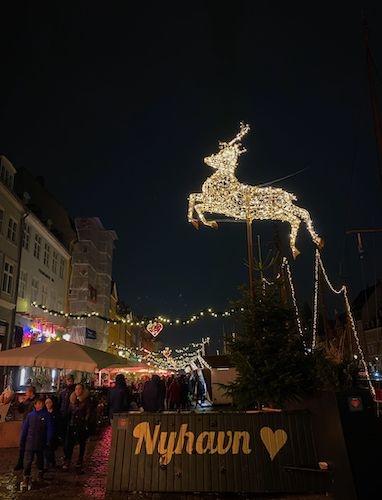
319,266
285,265
190,356
203,314
315,302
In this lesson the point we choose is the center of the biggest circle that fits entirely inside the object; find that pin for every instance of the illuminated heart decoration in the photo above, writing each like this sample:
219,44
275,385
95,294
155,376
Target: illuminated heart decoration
154,328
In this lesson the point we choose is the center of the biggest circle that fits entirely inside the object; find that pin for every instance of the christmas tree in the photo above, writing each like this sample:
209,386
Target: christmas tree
272,361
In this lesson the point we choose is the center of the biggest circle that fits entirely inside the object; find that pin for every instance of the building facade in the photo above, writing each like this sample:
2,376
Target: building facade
11,218
120,333
43,284
40,201
90,283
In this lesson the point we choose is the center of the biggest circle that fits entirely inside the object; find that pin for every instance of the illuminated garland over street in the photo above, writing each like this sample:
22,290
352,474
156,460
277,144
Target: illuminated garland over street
204,314
207,313
189,356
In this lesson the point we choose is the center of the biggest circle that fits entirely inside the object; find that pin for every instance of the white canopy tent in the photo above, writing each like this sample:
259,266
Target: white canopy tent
60,354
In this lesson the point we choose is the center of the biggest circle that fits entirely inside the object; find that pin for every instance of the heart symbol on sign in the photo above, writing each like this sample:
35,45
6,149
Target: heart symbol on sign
356,403
273,441
154,328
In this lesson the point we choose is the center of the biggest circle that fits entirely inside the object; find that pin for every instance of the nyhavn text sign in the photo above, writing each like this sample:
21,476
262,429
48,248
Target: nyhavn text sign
213,452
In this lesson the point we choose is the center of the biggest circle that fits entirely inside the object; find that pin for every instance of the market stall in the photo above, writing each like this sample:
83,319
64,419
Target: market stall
60,355
57,356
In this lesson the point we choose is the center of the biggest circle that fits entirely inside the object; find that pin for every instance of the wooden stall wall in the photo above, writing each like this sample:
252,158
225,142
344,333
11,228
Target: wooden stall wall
215,452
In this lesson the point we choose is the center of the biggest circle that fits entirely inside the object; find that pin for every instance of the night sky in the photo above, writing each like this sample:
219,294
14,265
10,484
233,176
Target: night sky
116,106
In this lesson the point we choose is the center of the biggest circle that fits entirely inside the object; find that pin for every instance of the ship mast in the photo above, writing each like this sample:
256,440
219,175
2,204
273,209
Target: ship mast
371,72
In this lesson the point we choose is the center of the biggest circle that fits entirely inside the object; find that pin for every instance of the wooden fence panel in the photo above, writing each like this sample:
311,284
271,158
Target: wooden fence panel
214,452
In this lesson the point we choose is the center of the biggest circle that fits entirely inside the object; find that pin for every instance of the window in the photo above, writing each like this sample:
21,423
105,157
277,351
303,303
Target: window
3,334
37,246
44,294
26,236
53,299
23,283
8,272
6,176
62,267
54,262
1,220
46,254
92,294
12,230
34,289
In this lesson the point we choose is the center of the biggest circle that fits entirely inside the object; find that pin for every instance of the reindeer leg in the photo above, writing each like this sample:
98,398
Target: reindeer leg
200,209
305,216
191,207
294,224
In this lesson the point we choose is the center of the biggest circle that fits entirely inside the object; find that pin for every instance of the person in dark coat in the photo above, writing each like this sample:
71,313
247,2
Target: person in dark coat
184,393
78,425
63,405
37,432
174,395
151,394
25,407
162,393
27,404
120,396
50,451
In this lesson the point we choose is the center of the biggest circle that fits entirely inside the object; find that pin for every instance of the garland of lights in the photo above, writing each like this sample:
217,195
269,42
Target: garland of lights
315,302
222,193
204,314
285,264
343,290
188,356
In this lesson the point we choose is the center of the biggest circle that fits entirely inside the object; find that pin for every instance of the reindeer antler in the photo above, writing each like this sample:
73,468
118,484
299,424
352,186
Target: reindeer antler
244,129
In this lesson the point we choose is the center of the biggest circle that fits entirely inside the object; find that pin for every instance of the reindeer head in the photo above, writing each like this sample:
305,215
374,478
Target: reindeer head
229,152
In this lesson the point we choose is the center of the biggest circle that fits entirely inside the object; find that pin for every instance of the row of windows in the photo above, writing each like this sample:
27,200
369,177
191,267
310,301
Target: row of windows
6,176
8,280
50,258
38,294
42,249
11,229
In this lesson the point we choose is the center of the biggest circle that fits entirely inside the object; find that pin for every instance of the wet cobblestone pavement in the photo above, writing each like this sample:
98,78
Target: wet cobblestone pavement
59,484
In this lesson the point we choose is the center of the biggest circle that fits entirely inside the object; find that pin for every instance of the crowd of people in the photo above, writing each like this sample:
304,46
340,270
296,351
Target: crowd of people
174,392
50,422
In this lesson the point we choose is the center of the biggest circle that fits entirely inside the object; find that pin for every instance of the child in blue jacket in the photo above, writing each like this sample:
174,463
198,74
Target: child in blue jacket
36,434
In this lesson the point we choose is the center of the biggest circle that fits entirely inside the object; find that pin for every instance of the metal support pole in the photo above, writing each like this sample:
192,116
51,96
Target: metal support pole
260,257
250,257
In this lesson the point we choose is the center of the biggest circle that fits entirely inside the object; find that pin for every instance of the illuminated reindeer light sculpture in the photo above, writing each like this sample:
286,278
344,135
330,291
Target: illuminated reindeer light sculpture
223,194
